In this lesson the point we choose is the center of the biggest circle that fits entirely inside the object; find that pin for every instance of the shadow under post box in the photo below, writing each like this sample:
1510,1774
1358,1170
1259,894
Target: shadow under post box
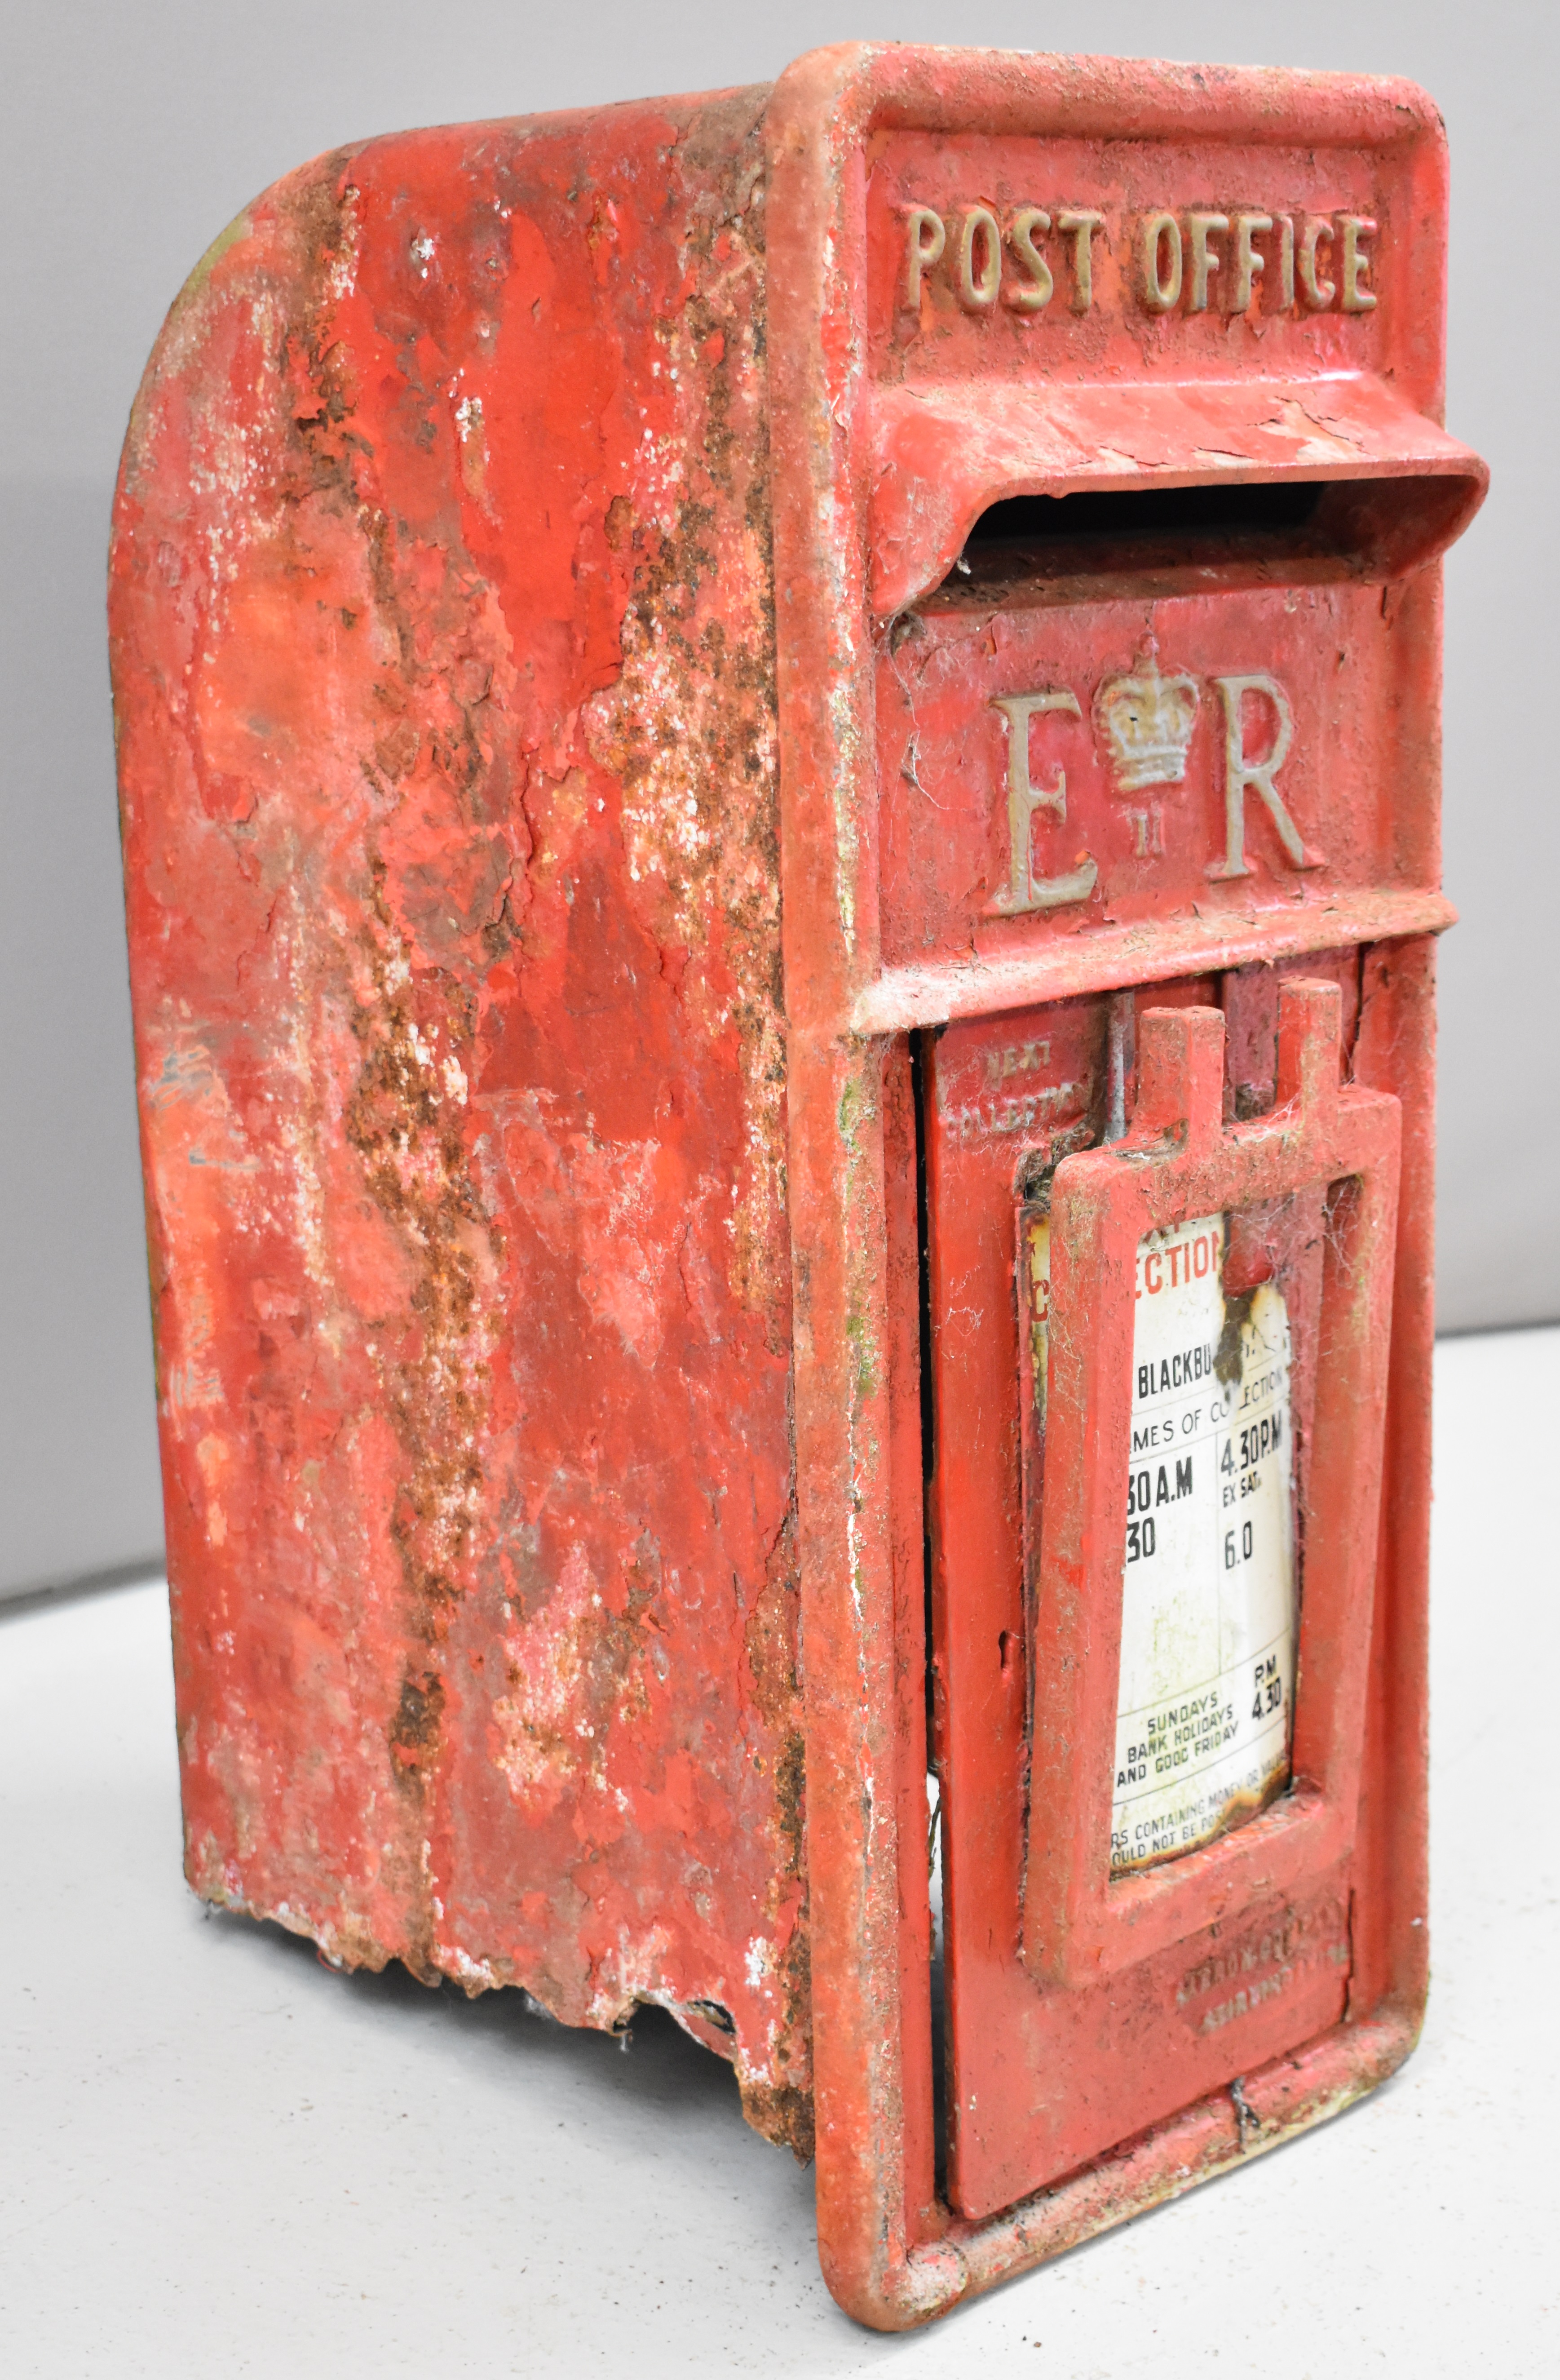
652,2061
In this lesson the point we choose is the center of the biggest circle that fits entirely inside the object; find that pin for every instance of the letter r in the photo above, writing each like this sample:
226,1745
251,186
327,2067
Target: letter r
1241,771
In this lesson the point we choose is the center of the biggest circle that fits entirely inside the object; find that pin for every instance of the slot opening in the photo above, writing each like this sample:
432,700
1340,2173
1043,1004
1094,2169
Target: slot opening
1161,541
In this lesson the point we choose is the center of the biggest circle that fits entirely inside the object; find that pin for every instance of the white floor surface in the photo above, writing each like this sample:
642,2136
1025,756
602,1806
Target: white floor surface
218,2157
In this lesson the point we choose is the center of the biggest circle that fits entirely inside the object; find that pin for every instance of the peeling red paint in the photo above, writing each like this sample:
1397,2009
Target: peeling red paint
539,545
450,829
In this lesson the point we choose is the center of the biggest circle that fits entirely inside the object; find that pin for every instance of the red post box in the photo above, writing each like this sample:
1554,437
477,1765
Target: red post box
780,773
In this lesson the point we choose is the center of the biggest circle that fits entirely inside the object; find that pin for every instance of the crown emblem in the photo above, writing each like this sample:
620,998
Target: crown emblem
1146,720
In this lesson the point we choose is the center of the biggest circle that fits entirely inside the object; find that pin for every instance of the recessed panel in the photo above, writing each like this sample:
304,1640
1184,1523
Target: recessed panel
1050,772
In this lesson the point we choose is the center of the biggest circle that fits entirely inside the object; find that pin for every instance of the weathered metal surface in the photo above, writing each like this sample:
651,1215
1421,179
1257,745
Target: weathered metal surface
445,690
894,922
535,1196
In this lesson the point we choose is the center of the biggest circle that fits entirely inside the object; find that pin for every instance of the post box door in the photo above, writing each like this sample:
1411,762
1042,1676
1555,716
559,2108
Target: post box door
1158,1388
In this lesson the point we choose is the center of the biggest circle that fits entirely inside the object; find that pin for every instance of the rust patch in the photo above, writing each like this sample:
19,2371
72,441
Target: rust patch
435,1365
783,2114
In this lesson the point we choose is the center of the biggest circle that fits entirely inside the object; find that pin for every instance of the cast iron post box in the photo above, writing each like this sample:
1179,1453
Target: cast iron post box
779,775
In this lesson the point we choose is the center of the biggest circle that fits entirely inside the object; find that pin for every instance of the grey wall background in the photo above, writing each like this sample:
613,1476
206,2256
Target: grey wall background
129,136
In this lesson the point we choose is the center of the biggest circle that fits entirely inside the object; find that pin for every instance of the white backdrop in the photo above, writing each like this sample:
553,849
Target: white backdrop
129,136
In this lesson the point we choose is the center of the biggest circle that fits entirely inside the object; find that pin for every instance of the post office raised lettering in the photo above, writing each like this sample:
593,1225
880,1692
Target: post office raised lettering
1231,259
